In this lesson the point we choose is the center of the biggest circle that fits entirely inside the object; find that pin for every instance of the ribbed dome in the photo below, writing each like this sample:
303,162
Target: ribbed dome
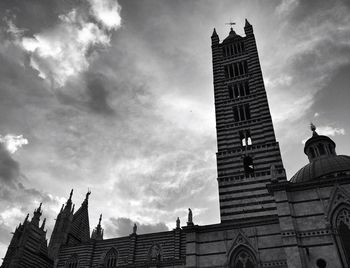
323,166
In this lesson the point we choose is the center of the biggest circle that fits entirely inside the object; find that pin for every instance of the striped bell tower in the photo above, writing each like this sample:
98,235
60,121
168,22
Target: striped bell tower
248,154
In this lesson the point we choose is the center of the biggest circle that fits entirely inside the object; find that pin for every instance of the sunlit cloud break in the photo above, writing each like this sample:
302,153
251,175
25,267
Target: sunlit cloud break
12,143
330,131
107,12
54,58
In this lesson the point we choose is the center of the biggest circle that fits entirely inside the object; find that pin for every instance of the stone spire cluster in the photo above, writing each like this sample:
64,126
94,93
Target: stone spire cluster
28,235
71,227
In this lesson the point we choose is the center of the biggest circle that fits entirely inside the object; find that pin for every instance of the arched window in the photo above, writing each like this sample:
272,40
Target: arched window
245,137
248,165
111,258
312,152
72,262
321,149
330,148
343,227
243,259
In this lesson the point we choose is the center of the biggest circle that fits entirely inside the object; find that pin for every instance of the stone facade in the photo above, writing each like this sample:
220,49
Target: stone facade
266,221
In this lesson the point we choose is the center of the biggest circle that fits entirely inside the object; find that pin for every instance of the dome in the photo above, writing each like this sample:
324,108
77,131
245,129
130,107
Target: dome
322,167
323,159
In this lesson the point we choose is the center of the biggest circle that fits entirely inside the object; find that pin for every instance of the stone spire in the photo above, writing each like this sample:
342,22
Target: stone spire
248,28
214,33
97,233
68,207
215,38
86,200
43,224
178,223
62,227
26,219
36,217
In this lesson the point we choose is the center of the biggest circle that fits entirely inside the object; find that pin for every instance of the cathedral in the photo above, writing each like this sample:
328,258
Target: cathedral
266,220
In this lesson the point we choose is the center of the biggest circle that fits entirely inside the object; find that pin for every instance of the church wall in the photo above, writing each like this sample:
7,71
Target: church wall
82,251
122,245
133,251
211,246
304,223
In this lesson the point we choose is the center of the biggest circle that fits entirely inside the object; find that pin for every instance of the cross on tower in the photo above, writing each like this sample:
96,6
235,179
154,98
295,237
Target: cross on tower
230,23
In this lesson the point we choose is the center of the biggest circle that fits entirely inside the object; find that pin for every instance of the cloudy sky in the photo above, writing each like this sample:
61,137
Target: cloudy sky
117,97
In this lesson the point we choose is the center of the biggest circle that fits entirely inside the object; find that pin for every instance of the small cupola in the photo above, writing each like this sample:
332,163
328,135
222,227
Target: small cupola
319,146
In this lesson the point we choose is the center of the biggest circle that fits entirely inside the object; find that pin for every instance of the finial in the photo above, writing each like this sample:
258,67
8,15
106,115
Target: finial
62,207
99,221
87,194
39,208
313,129
73,208
247,23
134,229
214,33
178,223
312,126
26,219
85,203
71,194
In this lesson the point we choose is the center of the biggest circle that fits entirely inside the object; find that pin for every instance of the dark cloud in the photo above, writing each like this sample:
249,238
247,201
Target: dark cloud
124,226
98,94
306,9
338,86
36,15
13,191
9,168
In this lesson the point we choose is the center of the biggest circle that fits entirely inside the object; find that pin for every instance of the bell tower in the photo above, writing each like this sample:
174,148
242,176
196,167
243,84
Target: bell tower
248,156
